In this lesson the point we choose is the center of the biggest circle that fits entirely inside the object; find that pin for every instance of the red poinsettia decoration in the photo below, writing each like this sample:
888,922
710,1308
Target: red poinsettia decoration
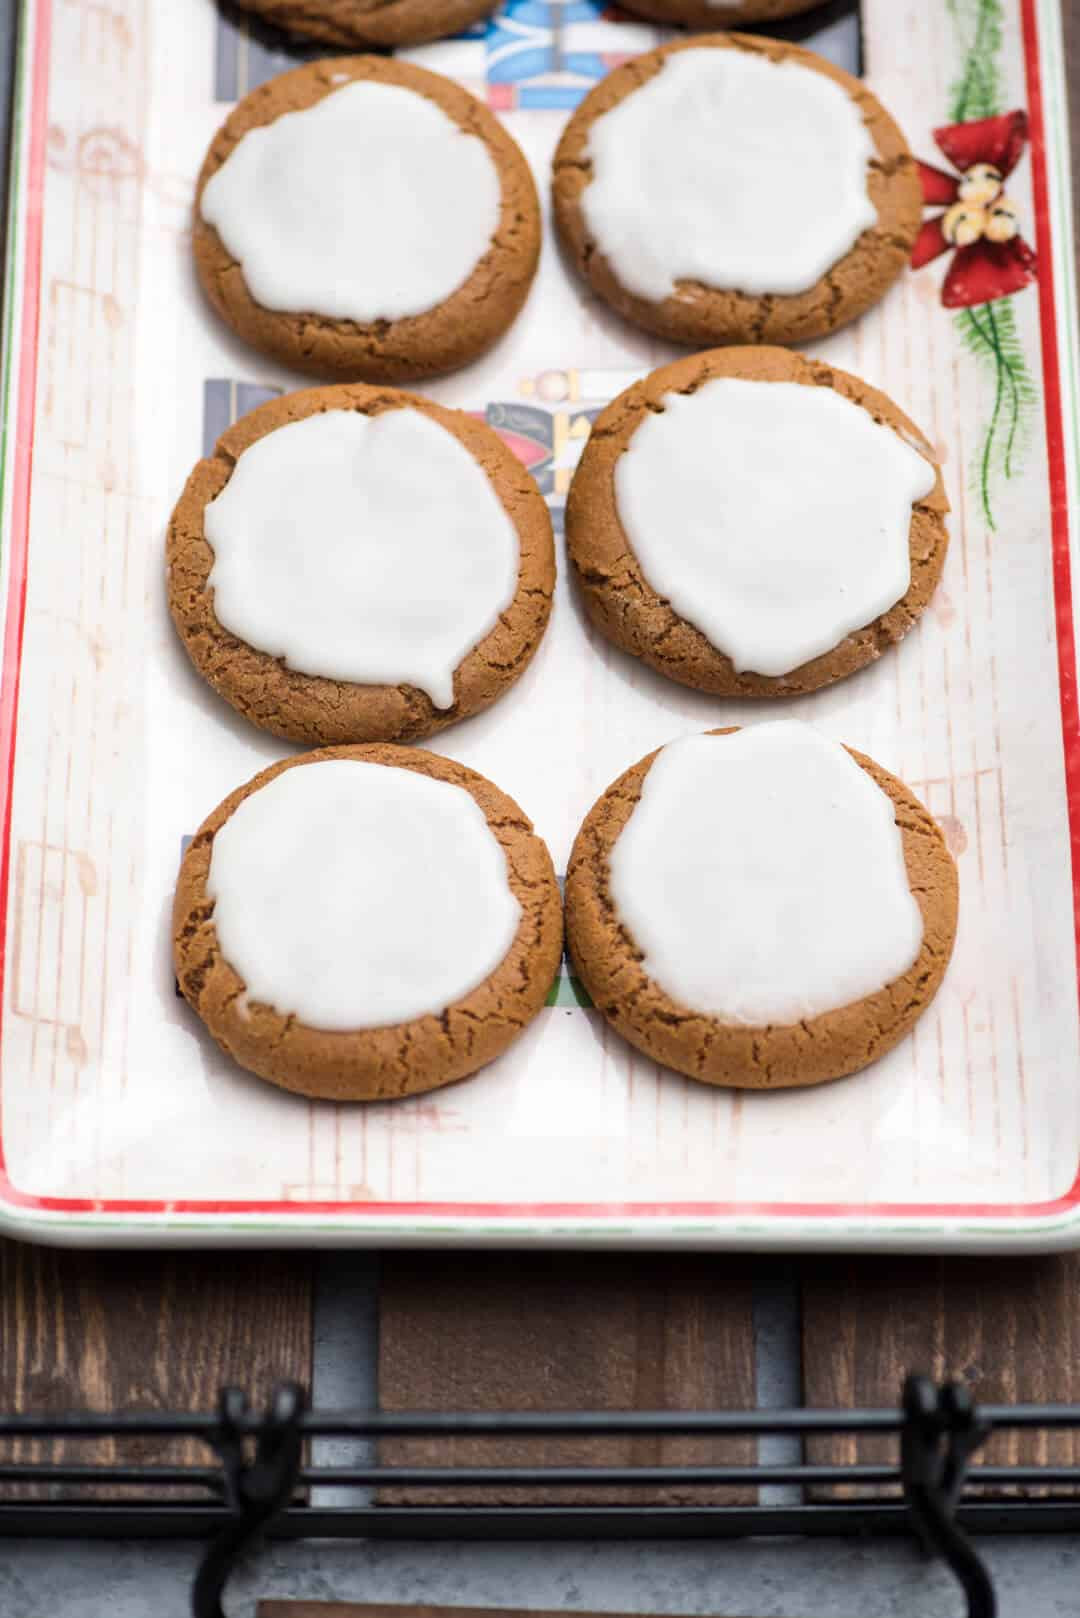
992,259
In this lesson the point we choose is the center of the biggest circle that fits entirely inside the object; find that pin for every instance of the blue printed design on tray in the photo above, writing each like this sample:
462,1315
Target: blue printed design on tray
530,53
548,425
549,53
225,402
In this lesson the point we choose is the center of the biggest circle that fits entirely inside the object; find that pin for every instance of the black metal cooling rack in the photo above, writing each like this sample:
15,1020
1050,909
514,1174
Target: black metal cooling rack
255,1480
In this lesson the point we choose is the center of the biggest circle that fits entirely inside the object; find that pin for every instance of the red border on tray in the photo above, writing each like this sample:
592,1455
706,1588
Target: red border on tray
573,1211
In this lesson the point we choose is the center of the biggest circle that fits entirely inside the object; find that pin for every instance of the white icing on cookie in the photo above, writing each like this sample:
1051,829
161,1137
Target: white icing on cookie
762,875
774,516
355,895
363,548
371,205
729,169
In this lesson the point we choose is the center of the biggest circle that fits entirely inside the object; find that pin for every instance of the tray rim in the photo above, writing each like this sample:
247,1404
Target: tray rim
937,1227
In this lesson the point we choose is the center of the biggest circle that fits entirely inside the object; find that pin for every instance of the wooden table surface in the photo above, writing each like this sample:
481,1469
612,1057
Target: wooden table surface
139,1330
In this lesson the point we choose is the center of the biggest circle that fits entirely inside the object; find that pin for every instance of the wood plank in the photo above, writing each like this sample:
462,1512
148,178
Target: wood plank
565,1331
145,1331
1008,1328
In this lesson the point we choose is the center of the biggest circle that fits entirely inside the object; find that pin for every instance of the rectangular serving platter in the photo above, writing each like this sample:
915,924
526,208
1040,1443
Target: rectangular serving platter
120,1122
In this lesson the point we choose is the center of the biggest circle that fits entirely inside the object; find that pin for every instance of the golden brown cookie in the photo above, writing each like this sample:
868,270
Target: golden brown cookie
309,708
440,339
622,603
608,962
703,14
379,1063
702,316
360,23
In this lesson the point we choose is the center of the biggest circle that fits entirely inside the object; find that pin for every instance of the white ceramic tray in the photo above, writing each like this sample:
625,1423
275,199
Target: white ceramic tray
120,1122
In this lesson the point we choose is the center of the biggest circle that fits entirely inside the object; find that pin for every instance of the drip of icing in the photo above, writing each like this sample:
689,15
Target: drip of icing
354,895
371,205
762,876
775,517
364,548
732,170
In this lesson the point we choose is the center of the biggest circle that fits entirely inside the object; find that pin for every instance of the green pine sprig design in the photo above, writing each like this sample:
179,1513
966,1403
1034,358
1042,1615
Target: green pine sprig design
989,330
977,93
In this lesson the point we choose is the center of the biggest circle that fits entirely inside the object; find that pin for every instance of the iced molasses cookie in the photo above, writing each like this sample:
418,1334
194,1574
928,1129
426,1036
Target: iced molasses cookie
732,189
370,22
761,908
364,923
364,219
358,564
753,523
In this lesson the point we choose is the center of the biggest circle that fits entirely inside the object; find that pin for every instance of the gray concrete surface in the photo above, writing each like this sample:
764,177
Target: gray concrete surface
1035,1579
